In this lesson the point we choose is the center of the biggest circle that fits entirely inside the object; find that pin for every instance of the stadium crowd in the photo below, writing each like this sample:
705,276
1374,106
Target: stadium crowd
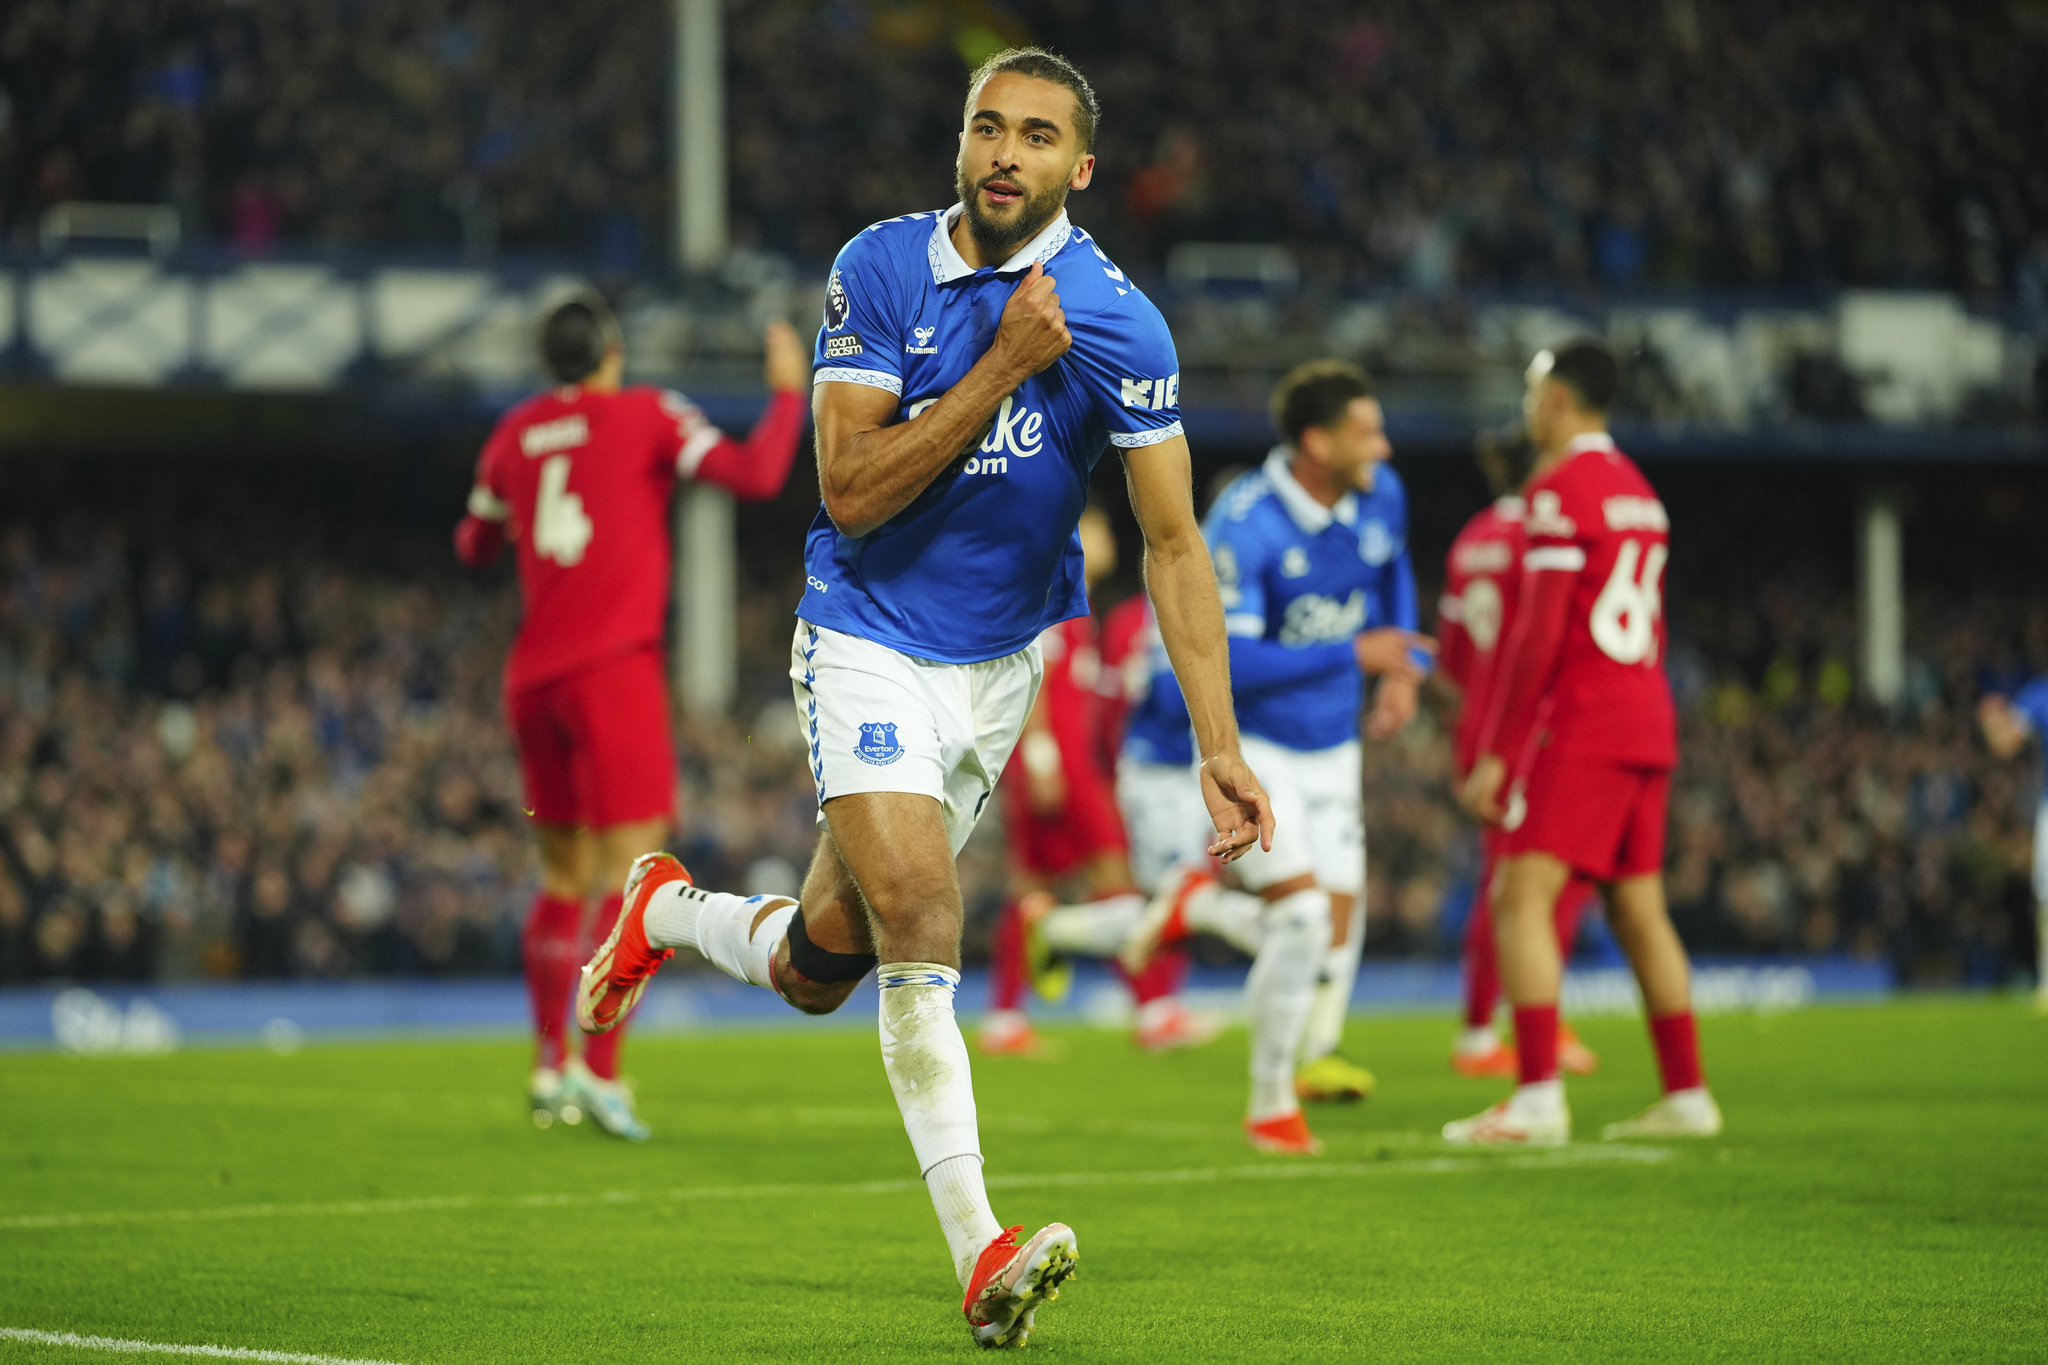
261,753
1510,142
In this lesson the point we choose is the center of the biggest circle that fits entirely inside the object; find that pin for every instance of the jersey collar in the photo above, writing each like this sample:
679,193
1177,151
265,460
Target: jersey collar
1510,507
1592,440
1311,516
948,265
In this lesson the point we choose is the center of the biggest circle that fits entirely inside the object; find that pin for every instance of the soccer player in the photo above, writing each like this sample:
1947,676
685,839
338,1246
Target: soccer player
1582,680
2008,723
973,365
1311,557
1482,584
579,478
1061,821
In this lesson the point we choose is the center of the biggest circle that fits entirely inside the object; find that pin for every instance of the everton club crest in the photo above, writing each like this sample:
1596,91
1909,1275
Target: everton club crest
878,744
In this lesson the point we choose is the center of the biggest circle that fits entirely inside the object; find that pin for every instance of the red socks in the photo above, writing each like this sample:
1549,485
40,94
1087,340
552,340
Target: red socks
1006,960
1677,1040
1163,976
601,1054
549,944
1482,964
1536,1042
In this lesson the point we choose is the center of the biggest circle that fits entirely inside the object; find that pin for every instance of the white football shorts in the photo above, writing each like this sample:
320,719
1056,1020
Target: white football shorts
2041,853
878,720
1319,823
1165,821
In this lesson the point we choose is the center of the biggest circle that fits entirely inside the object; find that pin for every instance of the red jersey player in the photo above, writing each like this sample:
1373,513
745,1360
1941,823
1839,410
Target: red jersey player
1583,679
1482,582
1061,819
580,479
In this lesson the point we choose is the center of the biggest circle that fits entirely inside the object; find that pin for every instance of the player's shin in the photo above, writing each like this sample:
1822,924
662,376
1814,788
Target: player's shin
1279,993
1236,917
1095,929
550,953
1333,990
925,1057
730,931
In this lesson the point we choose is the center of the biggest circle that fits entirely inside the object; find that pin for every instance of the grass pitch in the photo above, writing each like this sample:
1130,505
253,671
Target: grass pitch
1882,1192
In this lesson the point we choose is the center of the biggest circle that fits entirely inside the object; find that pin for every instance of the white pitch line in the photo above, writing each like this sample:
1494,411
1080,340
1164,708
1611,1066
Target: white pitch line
165,1348
1560,1159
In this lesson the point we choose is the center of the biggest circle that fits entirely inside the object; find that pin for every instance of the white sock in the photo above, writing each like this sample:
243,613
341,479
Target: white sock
926,1059
1096,929
1278,994
1236,917
720,926
1333,990
1477,1042
1540,1099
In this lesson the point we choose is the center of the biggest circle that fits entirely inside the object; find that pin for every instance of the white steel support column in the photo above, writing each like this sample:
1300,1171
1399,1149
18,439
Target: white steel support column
1881,596
707,580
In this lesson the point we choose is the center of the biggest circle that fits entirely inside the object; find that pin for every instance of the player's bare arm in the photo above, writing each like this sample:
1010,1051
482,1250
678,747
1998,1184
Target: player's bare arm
869,468
1182,584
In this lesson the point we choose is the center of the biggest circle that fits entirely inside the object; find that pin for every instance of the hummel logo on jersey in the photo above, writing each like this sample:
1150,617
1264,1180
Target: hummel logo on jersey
837,348
544,438
1152,393
924,342
1314,619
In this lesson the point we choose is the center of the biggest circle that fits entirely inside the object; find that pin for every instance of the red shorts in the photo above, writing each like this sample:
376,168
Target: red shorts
1605,819
595,748
1572,902
1087,827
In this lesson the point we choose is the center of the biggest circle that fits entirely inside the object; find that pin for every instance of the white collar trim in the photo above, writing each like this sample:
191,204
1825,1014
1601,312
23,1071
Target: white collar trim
949,265
1592,440
1311,516
1510,507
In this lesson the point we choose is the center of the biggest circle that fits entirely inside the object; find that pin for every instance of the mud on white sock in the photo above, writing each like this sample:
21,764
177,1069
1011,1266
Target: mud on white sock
926,1059
1096,929
1333,990
1279,993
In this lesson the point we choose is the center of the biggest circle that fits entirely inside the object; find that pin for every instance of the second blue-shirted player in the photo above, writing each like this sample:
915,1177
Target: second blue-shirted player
1318,591
972,367
2008,724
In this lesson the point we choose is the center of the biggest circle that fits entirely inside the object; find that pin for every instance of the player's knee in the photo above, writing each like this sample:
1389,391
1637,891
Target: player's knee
1304,913
814,997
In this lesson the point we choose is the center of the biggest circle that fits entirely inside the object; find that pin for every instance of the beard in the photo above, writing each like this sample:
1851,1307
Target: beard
998,239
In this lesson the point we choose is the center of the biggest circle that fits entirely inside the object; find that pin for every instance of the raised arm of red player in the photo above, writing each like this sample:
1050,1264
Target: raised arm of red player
757,467
1527,660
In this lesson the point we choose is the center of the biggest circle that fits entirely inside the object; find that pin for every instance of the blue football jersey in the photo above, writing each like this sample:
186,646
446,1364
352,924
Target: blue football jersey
1158,729
2032,702
1299,580
986,557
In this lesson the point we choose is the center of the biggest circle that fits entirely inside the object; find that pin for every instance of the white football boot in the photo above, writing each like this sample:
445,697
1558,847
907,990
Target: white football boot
608,1103
551,1099
1682,1113
1534,1116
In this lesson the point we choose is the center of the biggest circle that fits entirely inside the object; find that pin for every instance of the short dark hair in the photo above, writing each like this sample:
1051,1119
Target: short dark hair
1041,64
1586,367
575,337
1316,394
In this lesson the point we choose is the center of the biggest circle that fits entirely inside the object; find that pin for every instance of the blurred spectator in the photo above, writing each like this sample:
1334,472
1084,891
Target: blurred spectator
1499,142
